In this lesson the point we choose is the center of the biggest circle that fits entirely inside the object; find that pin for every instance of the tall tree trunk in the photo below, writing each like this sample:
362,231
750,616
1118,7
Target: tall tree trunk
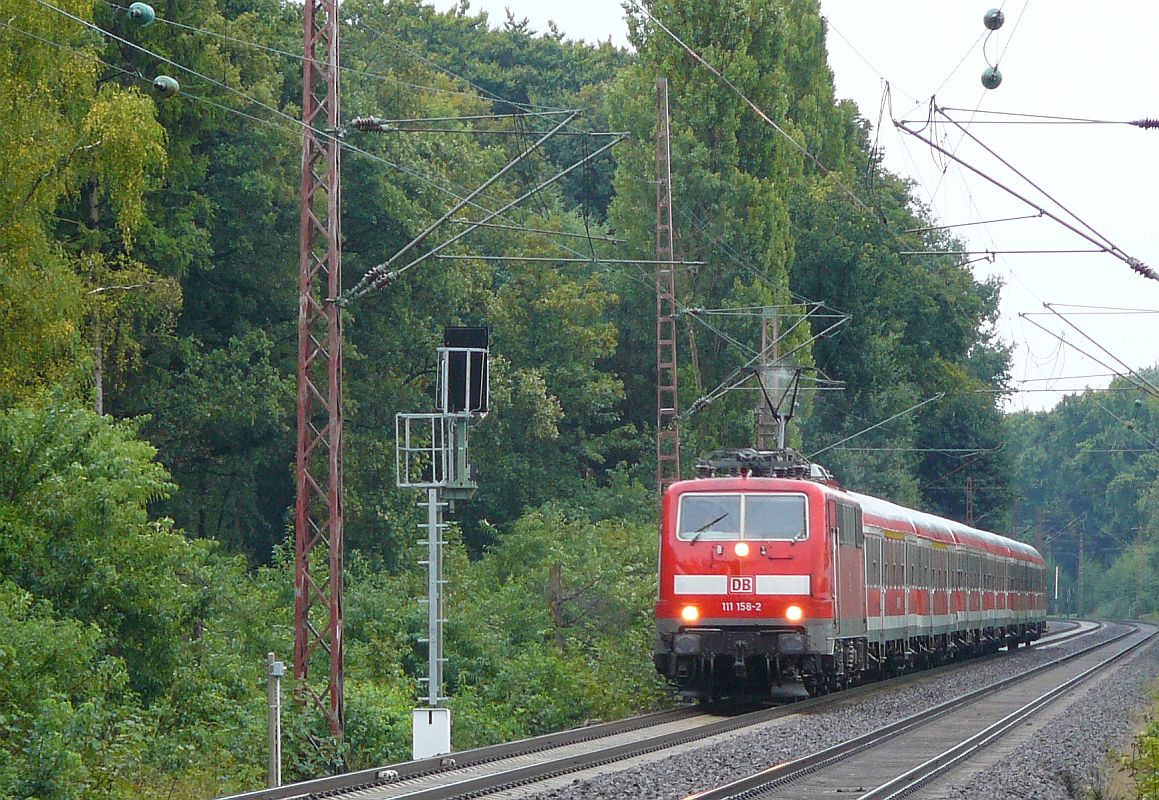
555,590
98,366
98,332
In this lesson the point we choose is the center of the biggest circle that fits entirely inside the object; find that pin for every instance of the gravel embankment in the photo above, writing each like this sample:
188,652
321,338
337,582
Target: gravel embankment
1069,755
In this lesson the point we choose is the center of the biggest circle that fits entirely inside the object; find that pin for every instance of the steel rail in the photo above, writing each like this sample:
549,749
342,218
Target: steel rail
931,769
792,771
337,785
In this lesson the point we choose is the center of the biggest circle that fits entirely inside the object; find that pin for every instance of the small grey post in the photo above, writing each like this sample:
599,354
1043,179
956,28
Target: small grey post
274,672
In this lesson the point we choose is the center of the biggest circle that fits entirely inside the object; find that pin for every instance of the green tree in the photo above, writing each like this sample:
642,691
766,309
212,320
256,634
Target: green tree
75,530
64,133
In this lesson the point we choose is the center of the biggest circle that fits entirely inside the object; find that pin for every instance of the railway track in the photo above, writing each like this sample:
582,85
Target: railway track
518,764
898,759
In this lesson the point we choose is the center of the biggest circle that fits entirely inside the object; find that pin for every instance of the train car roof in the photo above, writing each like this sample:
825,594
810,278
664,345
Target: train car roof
938,528
894,517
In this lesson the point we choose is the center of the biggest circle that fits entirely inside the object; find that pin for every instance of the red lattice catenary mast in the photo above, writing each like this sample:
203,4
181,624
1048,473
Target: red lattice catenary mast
667,399
318,547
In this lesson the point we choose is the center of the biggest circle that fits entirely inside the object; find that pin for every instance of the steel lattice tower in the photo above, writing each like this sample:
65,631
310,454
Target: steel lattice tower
318,547
667,399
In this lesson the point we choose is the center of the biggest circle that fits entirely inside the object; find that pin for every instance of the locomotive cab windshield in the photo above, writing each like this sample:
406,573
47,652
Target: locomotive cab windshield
764,517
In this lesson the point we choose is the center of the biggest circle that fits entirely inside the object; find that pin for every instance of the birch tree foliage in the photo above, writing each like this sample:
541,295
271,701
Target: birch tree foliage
62,133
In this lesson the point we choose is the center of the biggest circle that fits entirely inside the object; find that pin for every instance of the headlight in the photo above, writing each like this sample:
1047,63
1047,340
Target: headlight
794,613
741,549
690,613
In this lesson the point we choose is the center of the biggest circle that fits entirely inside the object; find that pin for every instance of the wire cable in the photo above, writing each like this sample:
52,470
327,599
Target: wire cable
298,56
1134,263
755,108
912,408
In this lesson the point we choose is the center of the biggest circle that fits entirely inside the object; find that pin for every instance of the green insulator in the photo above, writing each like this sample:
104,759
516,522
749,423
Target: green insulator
165,87
991,78
994,19
142,14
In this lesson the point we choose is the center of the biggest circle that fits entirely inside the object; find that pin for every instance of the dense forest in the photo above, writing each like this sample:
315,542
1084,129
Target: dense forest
148,345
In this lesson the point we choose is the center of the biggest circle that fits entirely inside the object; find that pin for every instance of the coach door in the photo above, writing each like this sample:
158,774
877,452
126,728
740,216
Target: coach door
848,567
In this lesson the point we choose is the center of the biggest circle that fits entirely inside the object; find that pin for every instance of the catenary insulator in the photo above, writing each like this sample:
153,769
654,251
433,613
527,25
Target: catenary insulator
370,125
165,87
991,78
1149,122
994,19
142,14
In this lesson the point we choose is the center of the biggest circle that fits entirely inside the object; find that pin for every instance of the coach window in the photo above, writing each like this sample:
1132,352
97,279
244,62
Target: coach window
873,561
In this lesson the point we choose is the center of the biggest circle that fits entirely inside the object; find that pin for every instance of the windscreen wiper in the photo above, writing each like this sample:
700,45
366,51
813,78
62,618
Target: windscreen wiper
696,533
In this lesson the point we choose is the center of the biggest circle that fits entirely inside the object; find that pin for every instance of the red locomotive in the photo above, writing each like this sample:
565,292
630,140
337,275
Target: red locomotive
771,573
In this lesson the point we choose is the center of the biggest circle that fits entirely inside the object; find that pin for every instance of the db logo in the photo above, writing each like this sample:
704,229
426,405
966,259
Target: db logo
740,584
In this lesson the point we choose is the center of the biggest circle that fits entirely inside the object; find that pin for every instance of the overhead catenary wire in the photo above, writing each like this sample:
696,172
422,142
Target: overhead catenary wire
998,252
755,108
464,201
1104,309
877,425
1025,118
1132,428
1089,338
745,371
299,124
296,123
528,229
1069,377
381,275
532,108
1134,263
304,58
562,259
1024,177
1144,386
695,314
969,224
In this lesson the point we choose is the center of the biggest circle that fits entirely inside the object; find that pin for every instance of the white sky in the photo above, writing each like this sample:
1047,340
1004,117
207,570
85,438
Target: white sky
1062,57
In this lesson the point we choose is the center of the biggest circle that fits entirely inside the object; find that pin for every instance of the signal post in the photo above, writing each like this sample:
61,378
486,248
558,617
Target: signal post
431,454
